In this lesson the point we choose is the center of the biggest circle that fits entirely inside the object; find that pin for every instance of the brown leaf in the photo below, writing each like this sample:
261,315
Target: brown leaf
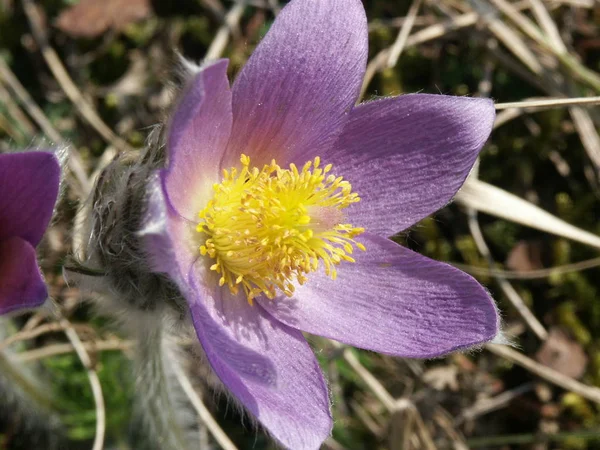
562,354
91,18
525,256
550,411
442,377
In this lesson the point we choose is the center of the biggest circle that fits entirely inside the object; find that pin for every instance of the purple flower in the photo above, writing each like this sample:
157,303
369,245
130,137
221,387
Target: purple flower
28,190
265,239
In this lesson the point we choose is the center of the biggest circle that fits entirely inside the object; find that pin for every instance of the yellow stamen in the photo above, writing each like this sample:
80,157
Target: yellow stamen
266,228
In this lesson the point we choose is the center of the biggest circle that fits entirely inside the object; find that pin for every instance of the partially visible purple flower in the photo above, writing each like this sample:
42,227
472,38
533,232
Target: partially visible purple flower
28,190
265,242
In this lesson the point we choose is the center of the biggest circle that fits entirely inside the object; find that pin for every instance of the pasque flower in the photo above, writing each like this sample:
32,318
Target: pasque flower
28,190
274,211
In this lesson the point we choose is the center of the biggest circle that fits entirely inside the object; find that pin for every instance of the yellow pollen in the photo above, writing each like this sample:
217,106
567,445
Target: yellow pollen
268,228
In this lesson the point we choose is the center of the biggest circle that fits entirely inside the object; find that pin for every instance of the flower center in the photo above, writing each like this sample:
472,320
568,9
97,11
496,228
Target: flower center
267,228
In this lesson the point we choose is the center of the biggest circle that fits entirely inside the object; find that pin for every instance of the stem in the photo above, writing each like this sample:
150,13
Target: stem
155,395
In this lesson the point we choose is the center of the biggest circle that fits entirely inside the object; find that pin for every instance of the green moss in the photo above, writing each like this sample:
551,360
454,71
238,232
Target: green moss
72,388
568,318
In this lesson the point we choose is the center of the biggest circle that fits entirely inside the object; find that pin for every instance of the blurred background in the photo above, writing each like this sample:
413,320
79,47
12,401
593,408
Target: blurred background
96,74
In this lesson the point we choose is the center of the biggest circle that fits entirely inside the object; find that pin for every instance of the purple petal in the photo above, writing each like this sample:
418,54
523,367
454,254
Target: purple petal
392,301
28,190
21,283
168,239
197,137
407,156
291,399
268,366
292,96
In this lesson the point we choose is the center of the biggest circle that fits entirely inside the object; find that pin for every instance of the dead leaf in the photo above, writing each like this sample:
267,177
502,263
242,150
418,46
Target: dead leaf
442,377
91,18
550,411
563,354
525,256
